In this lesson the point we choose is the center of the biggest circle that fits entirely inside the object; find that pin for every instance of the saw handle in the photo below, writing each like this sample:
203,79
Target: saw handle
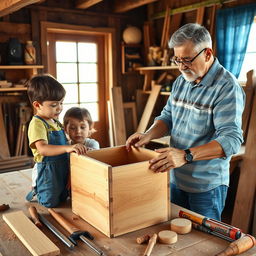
34,215
63,222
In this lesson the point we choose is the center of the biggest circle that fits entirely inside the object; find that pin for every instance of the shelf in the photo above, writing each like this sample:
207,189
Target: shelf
158,68
21,66
13,89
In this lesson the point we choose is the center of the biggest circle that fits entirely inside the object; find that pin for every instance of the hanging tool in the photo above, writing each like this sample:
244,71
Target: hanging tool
37,218
75,232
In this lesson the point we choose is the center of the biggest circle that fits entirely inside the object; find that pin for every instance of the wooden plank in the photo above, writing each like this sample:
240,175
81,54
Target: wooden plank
132,106
10,6
83,4
34,239
242,213
166,29
127,5
4,149
200,15
149,108
117,108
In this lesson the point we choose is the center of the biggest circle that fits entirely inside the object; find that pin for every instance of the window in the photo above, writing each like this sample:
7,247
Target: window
250,55
76,70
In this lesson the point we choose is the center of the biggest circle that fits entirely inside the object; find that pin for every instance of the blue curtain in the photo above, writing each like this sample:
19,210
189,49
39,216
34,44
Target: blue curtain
233,26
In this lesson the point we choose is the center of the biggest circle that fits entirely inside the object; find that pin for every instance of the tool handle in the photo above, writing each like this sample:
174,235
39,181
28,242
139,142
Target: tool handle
63,222
241,245
151,244
34,215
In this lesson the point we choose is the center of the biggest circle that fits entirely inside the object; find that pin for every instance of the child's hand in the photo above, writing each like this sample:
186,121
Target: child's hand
80,149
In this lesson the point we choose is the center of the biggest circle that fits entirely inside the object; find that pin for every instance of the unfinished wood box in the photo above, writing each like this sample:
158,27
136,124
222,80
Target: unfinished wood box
116,192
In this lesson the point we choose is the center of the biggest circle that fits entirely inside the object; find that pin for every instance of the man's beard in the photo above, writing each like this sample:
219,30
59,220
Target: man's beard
189,75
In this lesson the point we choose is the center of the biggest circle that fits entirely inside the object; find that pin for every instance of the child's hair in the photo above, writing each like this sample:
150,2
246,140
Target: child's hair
45,88
80,114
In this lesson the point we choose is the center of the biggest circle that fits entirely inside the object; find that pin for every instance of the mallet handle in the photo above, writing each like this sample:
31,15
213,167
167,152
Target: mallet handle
63,222
33,212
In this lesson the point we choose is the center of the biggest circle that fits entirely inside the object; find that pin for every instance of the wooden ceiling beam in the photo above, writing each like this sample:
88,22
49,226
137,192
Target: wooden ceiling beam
10,6
83,4
127,5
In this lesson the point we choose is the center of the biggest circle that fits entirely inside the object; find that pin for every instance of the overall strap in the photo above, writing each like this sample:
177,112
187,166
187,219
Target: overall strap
40,118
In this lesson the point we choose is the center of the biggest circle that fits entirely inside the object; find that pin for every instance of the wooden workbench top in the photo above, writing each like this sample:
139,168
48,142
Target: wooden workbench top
13,188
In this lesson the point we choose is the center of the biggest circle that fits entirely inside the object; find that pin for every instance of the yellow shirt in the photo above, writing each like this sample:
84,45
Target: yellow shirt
37,131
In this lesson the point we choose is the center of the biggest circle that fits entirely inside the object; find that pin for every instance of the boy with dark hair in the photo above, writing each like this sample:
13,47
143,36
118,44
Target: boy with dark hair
48,142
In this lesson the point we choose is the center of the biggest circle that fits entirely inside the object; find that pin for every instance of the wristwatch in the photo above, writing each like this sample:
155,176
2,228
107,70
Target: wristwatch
188,156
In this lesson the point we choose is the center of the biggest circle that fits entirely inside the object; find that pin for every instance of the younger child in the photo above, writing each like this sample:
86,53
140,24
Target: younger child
78,125
48,142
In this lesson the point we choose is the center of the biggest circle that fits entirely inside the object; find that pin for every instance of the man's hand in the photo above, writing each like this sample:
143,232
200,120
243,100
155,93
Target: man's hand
137,140
167,159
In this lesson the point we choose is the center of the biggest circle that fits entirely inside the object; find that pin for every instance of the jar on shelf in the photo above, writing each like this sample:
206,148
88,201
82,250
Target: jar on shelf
30,53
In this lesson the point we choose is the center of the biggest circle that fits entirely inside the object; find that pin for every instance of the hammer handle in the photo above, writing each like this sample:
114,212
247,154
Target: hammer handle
34,215
63,222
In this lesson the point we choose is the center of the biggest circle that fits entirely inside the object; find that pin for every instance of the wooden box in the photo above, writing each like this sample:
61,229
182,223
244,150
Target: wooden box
116,192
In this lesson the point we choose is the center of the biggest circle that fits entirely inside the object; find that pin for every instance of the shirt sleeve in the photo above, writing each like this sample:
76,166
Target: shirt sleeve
92,144
228,118
36,131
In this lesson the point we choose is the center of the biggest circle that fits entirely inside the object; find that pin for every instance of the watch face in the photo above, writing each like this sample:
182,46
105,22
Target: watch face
189,157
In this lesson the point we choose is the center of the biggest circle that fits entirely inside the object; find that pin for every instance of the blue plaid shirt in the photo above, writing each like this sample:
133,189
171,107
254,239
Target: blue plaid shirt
199,113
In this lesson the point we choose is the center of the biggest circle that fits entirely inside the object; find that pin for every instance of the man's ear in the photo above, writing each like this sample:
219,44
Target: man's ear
36,104
209,53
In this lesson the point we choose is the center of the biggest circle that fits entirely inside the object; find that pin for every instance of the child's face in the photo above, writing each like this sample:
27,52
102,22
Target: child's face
77,130
49,109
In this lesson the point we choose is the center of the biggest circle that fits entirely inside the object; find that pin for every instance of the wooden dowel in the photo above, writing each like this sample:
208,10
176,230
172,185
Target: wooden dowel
151,244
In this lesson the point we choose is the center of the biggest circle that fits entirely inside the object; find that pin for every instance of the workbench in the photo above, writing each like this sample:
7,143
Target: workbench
15,185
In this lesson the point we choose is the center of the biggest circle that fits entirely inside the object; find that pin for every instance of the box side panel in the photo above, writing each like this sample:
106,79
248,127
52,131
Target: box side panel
113,156
90,191
140,198
141,154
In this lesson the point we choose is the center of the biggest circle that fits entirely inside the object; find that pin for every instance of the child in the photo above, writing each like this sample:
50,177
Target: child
78,125
48,142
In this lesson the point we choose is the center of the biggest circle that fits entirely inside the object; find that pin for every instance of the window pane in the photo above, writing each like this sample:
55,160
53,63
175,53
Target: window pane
93,108
248,64
71,93
66,52
87,52
88,92
88,73
251,47
67,72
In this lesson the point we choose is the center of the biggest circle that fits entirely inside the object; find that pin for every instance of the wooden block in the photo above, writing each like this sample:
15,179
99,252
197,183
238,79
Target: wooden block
33,238
116,192
167,237
181,225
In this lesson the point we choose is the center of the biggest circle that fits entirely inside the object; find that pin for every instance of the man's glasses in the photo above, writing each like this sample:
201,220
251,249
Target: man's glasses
187,63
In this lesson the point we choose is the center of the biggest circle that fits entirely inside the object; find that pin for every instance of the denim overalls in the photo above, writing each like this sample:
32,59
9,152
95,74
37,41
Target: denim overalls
53,171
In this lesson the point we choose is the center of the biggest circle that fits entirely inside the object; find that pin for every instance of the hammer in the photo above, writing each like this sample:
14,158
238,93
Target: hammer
75,232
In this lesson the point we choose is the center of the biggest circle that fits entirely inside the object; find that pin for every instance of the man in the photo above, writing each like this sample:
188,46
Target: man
203,117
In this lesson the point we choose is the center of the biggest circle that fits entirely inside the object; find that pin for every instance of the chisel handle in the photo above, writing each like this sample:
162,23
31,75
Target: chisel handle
34,215
63,222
